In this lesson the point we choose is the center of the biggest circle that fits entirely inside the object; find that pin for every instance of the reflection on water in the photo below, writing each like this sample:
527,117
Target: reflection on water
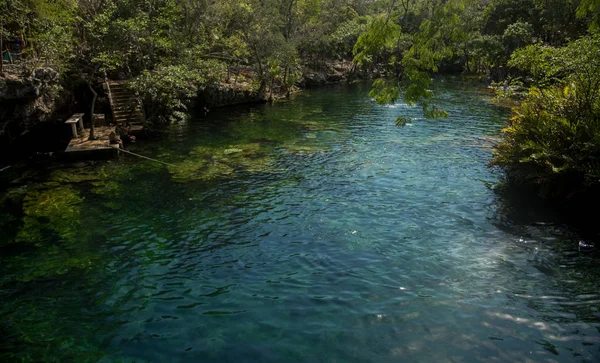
311,230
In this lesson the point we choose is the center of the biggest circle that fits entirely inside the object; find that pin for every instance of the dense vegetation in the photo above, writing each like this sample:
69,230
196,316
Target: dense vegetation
552,143
553,140
171,49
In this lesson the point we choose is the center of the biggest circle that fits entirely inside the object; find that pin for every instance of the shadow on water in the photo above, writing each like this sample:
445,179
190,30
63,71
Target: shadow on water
519,208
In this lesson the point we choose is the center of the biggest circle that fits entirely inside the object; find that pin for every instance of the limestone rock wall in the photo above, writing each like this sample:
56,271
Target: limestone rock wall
224,94
326,73
26,101
30,103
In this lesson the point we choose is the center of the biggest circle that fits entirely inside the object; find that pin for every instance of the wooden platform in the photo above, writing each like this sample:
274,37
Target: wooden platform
101,147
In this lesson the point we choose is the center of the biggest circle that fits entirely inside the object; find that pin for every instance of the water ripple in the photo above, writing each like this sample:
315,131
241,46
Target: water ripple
364,242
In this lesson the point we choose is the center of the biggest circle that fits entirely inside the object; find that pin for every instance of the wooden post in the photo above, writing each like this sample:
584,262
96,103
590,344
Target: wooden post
110,100
1,56
92,135
74,129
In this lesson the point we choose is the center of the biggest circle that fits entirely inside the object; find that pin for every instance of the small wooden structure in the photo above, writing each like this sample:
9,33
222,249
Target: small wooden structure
74,121
81,147
99,119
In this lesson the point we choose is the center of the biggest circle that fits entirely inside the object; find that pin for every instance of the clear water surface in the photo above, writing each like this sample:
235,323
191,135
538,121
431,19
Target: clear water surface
308,231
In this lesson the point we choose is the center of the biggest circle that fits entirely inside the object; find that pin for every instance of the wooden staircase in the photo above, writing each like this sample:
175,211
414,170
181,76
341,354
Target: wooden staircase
125,106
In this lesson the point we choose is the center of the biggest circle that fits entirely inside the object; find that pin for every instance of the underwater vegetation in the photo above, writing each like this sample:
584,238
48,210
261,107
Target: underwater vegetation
45,225
206,163
58,221
55,209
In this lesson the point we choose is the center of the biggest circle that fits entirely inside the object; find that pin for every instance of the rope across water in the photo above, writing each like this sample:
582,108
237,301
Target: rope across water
147,158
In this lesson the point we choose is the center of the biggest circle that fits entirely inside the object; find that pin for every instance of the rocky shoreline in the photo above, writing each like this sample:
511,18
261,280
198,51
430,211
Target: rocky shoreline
40,101
28,100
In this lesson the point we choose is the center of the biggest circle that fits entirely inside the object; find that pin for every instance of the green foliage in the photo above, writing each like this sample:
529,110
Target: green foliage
44,27
384,92
168,89
517,35
346,35
187,44
499,14
487,52
555,133
418,54
511,87
591,9
381,34
547,66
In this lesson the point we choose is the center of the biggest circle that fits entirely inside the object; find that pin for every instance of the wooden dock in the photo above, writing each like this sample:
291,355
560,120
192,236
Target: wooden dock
99,148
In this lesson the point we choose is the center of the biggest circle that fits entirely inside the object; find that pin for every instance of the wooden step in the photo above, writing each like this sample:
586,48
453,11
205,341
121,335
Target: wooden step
122,95
124,103
132,118
129,122
131,115
127,107
126,112
128,101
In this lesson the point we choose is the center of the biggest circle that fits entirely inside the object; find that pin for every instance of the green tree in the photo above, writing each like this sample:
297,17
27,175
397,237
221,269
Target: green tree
44,28
591,9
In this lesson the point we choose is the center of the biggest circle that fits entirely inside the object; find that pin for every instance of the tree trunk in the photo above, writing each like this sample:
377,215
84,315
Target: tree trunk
1,55
261,89
92,136
288,91
271,89
288,26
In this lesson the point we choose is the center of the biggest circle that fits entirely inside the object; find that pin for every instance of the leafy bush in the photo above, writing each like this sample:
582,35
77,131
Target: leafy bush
167,90
553,140
517,35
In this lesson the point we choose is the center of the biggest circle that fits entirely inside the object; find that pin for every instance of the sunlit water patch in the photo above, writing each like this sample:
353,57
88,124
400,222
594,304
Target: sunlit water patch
311,230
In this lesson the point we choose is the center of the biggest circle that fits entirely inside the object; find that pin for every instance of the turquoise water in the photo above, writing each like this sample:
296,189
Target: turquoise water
308,231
